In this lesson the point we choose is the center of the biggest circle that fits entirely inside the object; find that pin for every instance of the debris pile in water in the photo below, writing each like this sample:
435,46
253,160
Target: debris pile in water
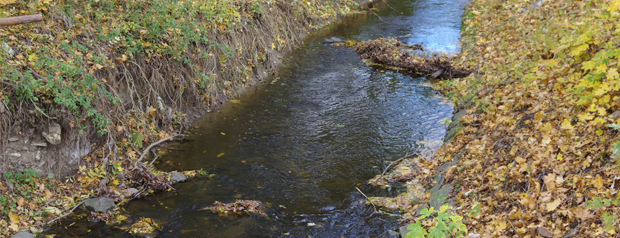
238,208
391,52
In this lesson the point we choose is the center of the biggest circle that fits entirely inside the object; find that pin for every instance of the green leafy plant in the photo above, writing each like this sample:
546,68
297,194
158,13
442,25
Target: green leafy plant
616,149
437,223
24,181
608,219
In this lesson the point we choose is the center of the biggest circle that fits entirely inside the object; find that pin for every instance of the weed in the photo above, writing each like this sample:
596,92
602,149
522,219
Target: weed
437,223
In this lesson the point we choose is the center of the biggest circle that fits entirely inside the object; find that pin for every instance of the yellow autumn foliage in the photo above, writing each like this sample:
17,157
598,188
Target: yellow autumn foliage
538,139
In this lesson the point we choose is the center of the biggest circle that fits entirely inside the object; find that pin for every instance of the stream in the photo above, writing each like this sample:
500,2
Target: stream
306,138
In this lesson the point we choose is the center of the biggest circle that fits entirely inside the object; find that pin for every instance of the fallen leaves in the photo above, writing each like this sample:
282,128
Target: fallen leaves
536,152
7,2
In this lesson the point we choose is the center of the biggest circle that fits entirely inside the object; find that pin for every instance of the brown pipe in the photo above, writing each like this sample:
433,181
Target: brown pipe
10,21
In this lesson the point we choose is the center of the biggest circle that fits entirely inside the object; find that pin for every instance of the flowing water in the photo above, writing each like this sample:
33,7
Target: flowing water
304,140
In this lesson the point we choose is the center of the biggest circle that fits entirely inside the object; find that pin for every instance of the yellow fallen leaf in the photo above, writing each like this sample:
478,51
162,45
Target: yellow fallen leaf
579,49
614,6
152,111
549,180
500,225
14,218
598,182
405,171
553,205
7,2
520,160
220,154
566,125
612,74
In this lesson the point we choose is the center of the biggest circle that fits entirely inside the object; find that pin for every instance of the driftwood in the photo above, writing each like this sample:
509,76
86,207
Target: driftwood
392,52
10,21
391,165
370,201
146,151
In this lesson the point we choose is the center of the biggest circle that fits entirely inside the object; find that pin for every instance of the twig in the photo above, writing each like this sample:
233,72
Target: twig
399,12
145,152
38,109
64,215
380,19
394,164
156,157
368,199
9,84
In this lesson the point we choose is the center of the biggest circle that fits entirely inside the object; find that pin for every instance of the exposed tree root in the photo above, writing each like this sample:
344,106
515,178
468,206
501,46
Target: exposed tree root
391,52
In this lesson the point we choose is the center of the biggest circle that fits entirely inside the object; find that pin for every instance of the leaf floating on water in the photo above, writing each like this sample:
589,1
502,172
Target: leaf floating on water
220,154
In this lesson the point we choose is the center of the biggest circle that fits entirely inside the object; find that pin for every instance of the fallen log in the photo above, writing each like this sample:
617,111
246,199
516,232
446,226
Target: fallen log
10,21
392,52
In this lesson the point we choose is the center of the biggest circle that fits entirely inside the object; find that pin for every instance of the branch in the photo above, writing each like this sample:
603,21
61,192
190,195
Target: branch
394,164
145,152
368,199
10,21
64,215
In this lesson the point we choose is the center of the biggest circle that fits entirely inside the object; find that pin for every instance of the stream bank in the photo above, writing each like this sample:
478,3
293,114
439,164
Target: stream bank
304,141
83,93
535,150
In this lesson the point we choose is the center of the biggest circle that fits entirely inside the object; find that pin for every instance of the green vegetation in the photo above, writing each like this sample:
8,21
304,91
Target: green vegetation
72,61
438,223
539,142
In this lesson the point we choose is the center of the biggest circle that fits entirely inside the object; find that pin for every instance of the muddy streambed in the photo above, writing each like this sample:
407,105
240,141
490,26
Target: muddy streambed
302,141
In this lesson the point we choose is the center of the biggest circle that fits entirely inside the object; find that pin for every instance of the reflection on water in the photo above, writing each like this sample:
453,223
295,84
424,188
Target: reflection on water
305,139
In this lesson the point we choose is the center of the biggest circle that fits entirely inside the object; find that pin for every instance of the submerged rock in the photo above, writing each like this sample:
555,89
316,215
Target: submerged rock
328,208
334,39
176,177
23,234
101,204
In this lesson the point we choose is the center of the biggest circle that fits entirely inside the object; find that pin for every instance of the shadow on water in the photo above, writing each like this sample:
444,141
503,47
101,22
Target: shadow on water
302,141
